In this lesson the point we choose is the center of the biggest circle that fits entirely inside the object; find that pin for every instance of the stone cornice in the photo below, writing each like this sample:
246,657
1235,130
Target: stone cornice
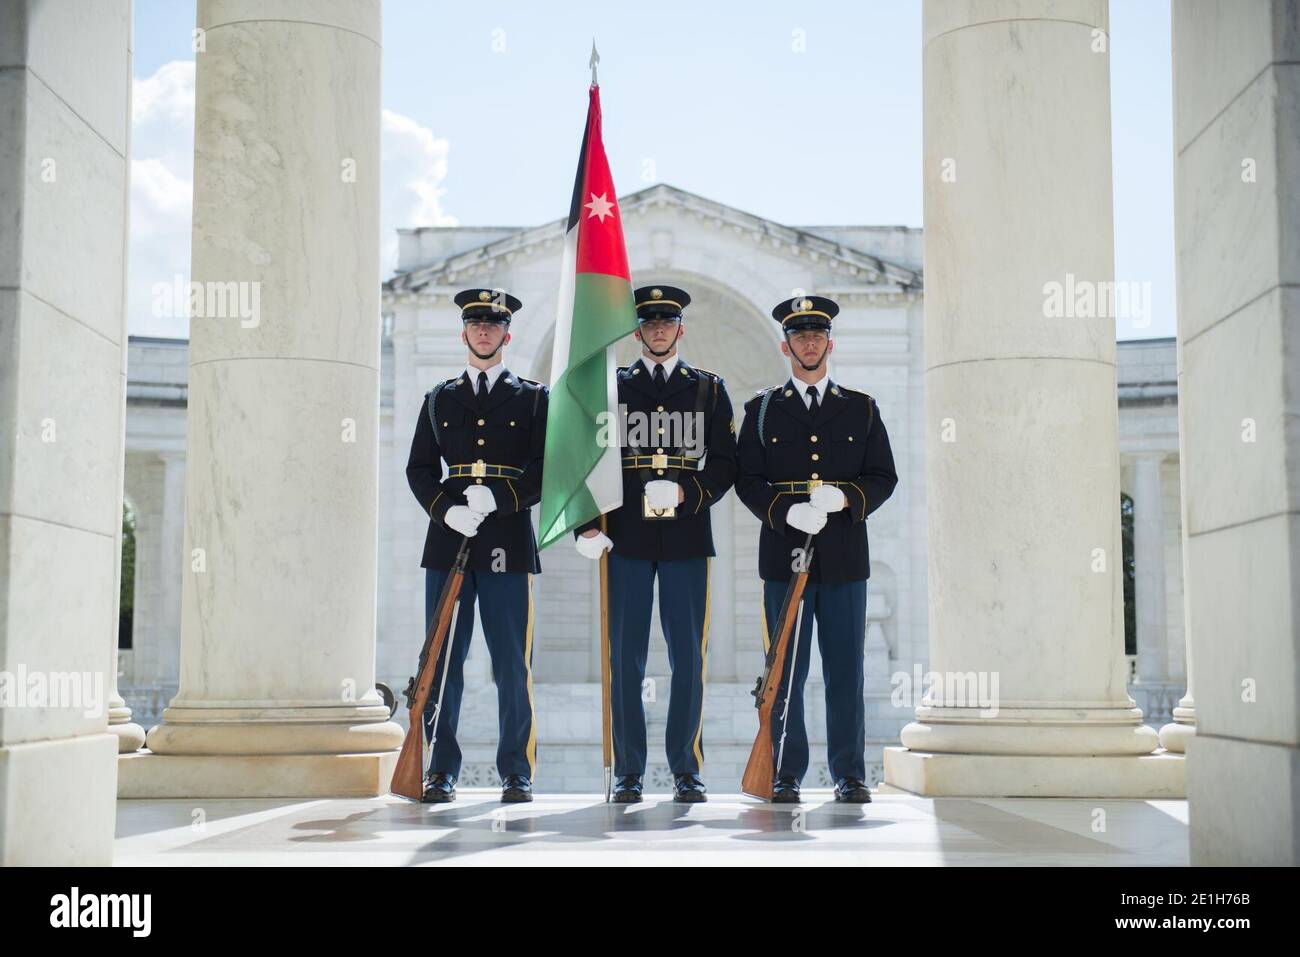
799,242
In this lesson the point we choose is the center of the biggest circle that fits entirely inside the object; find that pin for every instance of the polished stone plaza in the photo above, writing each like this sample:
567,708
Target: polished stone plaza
896,829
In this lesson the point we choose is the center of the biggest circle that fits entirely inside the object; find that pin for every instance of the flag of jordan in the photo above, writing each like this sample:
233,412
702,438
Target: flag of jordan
582,477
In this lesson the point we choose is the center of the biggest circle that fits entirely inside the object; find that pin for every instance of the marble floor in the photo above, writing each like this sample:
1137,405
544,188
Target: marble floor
897,828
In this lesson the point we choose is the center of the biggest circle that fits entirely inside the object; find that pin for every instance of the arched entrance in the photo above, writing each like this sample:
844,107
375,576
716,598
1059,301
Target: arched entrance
726,334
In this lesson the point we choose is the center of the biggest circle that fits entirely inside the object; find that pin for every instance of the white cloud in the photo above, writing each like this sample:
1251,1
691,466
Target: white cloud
413,168
159,188
162,189
167,95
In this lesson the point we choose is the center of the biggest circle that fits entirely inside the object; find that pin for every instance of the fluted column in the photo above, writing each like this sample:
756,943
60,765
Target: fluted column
278,597
130,736
1174,735
1149,568
1022,454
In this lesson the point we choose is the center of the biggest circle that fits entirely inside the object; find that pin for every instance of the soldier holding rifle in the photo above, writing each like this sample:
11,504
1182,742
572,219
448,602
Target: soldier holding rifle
815,460
488,424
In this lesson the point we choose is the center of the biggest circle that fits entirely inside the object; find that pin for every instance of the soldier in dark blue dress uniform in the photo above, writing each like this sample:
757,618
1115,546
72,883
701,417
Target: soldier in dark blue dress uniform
815,459
679,458
489,426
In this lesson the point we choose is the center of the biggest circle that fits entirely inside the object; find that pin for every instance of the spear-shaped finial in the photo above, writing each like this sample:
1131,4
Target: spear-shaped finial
595,58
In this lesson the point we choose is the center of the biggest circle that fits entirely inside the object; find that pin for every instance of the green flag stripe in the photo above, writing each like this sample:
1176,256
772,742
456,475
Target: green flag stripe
603,312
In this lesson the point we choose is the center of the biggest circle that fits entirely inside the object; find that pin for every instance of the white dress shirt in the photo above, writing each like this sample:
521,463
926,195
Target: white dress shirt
669,364
493,373
820,385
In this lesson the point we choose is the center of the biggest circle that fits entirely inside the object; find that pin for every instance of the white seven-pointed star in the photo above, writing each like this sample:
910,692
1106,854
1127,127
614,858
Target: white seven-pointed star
600,207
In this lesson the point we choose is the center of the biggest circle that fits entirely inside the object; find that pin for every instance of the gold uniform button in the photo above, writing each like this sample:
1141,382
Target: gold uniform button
815,475
659,471
444,425
480,441
661,431
789,392
814,438
774,440
478,481
660,451
659,408
815,456
850,438
512,423
481,422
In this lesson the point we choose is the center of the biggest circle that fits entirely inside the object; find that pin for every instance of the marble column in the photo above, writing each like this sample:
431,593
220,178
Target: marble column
65,74
1237,227
130,736
278,608
1022,453
1149,568
1175,734
170,568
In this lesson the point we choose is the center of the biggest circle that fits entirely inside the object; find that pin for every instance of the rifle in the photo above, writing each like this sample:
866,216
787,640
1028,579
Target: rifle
408,775
761,769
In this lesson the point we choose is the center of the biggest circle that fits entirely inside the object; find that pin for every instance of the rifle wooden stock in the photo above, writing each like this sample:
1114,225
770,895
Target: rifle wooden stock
408,775
760,770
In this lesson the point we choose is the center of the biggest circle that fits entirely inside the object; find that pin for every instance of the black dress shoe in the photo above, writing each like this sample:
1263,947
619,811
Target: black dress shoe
785,791
852,791
627,789
516,789
439,789
688,788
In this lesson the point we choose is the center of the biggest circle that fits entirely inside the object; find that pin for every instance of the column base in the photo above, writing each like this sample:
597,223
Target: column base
148,775
130,737
1244,801
1061,731
239,734
1173,736
1159,775
57,805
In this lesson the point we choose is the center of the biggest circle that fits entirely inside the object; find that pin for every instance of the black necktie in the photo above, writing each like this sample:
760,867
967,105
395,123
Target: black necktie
811,392
659,375
482,386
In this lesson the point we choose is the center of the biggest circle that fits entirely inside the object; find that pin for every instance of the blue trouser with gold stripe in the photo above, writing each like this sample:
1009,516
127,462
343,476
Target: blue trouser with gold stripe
684,615
840,610
505,605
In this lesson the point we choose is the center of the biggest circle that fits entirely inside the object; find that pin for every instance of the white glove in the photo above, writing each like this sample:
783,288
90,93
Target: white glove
806,517
661,494
827,497
480,499
592,546
463,519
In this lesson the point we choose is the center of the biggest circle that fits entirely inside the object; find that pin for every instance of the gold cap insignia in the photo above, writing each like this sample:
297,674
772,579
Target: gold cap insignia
484,296
806,304
656,293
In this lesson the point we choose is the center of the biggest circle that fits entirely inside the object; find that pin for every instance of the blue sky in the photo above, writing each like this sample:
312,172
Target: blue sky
484,104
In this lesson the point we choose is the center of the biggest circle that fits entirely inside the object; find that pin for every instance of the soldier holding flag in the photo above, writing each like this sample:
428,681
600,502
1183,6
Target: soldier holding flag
683,462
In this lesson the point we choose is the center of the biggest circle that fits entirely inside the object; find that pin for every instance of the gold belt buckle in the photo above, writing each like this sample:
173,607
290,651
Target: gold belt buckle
814,484
651,514
478,469
659,460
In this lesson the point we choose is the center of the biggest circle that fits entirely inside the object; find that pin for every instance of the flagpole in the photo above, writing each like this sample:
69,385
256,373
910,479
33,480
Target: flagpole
606,704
